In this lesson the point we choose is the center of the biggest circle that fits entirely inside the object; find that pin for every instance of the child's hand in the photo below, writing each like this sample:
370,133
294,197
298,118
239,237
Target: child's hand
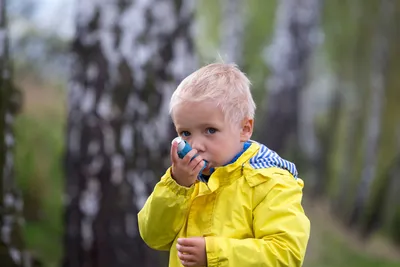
185,171
192,251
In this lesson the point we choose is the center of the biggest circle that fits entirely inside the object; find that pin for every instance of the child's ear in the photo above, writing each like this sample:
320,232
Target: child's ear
246,129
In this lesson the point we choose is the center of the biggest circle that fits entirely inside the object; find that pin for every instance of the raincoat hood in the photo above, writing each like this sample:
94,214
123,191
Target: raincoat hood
267,158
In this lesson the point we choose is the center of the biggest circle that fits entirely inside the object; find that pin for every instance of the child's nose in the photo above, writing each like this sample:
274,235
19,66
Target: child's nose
198,145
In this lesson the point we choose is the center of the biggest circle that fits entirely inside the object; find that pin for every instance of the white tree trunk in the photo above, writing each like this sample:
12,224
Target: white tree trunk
232,30
128,57
12,252
296,34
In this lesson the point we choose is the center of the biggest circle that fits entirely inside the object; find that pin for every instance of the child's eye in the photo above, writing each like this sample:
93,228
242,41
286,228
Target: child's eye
211,130
185,133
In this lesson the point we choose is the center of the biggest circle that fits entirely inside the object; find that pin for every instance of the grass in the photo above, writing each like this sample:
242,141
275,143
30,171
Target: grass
335,252
39,146
332,245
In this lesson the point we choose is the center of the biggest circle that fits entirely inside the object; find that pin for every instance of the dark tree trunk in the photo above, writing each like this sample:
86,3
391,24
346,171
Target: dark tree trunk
393,201
296,34
128,57
387,191
12,251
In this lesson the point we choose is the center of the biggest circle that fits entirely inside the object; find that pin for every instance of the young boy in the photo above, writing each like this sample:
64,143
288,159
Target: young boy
247,210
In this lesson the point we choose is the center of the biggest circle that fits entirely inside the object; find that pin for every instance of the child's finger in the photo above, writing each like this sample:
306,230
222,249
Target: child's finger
199,166
185,249
187,257
186,242
193,164
174,152
189,156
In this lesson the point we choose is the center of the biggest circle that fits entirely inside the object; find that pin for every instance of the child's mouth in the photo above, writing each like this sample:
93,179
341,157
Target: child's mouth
207,169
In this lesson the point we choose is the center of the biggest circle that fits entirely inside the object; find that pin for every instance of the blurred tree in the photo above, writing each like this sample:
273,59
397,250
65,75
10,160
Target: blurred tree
128,57
345,42
378,86
24,7
12,251
321,159
295,36
359,147
232,30
384,205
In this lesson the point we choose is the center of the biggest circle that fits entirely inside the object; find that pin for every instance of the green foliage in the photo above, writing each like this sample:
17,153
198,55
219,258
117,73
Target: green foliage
39,146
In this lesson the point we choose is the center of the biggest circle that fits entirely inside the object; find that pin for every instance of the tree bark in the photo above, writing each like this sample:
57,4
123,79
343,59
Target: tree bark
296,34
377,98
12,251
128,57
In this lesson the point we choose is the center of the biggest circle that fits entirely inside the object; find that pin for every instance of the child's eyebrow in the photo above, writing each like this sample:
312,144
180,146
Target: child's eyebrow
208,125
180,128
205,125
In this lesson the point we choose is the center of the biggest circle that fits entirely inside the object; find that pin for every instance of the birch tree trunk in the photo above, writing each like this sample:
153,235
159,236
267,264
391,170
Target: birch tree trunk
296,34
12,252
232,30
377,99
128,57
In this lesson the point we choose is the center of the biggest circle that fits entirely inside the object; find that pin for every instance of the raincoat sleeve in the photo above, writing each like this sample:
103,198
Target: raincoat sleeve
281,231
164,213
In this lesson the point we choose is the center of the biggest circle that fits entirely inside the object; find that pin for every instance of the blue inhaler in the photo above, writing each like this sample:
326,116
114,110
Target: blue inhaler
183,149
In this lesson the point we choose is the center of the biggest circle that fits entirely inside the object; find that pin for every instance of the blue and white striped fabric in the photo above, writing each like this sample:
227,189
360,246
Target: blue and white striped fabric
267,158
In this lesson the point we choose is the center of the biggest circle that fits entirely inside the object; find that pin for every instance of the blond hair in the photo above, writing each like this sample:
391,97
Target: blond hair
220,82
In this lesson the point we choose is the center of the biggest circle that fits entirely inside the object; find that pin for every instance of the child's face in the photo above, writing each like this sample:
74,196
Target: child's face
205,127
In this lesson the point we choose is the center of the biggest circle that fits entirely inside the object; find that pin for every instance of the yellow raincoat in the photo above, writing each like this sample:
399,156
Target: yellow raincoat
250,213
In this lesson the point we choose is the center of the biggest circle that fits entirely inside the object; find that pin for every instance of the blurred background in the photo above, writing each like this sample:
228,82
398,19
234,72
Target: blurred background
85,129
